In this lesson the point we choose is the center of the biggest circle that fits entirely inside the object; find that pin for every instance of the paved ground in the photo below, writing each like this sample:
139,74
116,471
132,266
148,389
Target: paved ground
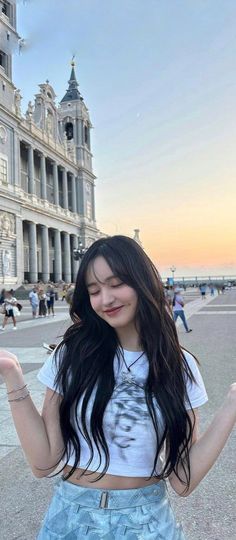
209,513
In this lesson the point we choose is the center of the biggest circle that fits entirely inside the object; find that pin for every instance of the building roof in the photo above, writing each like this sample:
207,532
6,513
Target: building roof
72,93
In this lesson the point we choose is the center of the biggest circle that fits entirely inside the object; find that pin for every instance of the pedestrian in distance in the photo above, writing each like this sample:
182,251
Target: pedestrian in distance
121,406
42,303
64,291
50,297
10,309
2,296
169,293
34,301
178,308
212,290
202,289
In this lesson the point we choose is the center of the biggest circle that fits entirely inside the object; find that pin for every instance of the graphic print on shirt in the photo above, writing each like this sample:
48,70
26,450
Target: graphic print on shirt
128,416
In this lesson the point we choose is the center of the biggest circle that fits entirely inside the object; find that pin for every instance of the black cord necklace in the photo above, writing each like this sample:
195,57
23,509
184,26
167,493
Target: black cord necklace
128,377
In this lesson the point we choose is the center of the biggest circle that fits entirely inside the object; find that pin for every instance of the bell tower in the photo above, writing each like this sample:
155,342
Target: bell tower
75,127
9,40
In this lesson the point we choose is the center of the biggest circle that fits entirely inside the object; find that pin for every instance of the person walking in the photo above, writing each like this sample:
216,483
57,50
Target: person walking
121,406
178,309
34,301
10,309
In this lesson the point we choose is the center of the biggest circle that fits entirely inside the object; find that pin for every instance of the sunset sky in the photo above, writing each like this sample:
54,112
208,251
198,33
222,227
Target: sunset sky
159,79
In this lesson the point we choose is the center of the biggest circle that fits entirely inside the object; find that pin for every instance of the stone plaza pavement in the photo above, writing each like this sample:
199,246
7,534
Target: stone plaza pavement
209,513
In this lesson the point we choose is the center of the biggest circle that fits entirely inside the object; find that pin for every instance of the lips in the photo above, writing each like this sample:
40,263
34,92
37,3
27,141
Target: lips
113,311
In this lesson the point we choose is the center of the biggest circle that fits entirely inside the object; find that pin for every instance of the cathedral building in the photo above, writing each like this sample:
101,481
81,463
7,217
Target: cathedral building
47,205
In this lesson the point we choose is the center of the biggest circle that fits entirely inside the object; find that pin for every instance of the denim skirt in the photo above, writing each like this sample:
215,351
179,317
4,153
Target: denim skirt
76,512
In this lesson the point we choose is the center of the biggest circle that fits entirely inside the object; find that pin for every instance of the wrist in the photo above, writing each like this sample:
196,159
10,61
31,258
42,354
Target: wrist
13,376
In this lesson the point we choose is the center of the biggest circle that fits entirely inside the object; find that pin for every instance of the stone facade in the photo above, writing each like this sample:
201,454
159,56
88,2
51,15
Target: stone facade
46,179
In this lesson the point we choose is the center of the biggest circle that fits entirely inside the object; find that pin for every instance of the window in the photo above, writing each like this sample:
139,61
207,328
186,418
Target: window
3,60
69,131
3,170
86,134
6,8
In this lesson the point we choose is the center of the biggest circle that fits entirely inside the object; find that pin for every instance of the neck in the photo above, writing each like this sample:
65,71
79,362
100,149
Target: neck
129,339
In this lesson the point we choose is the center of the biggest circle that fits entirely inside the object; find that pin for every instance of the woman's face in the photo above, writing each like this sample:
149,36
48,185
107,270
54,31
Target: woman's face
113,301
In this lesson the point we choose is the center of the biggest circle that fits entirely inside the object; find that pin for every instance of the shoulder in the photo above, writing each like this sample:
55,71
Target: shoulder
195,389
190,359
49,370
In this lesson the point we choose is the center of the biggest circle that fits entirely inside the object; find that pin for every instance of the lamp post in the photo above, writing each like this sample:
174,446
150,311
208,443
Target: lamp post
172,269
79,252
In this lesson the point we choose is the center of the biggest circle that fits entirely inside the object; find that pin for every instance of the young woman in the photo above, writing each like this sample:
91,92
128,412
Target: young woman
121,406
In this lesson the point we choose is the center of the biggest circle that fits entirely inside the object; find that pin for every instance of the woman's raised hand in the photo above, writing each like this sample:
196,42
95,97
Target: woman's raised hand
8,362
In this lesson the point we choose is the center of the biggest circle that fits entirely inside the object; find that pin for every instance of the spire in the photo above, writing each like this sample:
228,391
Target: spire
72,93
136,237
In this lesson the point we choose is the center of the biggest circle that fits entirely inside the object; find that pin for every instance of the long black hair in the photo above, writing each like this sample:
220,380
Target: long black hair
86,355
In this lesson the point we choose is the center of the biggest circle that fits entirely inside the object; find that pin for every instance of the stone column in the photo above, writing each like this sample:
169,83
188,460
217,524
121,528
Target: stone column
67,258
57,256
75,264
93,203
19,250
55,184
31,169
65,189
45,254
43,177
16,170
73,190
79,197
33,264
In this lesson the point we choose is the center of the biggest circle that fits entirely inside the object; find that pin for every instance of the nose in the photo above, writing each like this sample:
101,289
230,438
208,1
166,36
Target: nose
107,297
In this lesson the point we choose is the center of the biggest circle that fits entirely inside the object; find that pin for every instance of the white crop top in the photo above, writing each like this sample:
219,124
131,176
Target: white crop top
128,428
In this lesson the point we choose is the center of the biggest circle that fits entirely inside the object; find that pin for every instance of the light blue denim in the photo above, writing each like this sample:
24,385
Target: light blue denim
133,514
180,313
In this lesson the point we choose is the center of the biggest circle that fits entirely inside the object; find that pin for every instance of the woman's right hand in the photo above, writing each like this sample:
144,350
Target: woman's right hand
8,362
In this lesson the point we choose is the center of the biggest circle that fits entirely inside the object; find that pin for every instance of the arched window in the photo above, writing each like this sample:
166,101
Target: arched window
69,129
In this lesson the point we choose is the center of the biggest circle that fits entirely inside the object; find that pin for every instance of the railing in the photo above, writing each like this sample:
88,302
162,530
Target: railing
46,205
196,280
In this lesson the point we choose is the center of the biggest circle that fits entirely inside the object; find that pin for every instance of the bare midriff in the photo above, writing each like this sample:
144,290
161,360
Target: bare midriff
108,481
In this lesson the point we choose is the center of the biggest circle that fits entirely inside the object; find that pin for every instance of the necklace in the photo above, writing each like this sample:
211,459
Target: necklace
129,377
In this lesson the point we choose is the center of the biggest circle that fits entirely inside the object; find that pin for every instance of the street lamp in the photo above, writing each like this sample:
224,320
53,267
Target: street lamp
79,252
172,269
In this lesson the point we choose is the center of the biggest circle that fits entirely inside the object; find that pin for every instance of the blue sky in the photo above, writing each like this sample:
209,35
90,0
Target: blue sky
159,80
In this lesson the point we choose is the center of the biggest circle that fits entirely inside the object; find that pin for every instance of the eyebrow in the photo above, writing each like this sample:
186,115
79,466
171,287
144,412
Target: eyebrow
109,278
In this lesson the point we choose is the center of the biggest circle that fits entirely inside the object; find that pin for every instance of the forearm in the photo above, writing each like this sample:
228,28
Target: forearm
205,451
29,424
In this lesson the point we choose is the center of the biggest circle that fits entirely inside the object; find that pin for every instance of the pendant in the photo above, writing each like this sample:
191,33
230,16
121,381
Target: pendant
128,377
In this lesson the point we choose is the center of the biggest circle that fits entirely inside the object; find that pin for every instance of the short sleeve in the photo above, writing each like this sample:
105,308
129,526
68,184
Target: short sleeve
196,391
48,372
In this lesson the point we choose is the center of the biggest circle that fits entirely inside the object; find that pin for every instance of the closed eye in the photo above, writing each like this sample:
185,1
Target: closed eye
115,282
